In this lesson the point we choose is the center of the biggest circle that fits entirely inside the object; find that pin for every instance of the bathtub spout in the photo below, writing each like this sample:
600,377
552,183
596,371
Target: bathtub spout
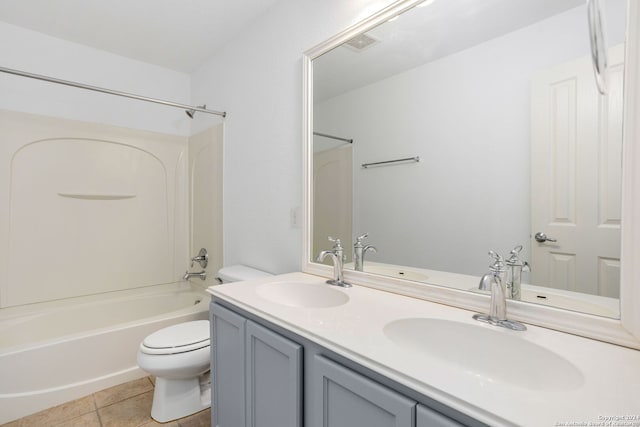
202,275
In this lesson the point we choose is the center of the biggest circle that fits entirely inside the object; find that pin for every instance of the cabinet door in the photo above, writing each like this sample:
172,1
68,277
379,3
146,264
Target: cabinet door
274,379
427,417
347,399
227,367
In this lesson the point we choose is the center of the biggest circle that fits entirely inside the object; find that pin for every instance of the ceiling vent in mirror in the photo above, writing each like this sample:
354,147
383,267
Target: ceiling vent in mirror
361,42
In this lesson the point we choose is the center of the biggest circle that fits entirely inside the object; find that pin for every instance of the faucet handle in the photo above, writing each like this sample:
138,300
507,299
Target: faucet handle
514,258
498,263
202,258
337,244
359,239
516,251
496,256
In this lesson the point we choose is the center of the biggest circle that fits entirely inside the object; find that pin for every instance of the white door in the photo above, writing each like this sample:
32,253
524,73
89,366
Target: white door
576,161
332,198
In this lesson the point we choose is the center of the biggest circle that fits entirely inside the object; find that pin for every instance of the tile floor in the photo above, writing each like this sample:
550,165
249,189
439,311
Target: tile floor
125,405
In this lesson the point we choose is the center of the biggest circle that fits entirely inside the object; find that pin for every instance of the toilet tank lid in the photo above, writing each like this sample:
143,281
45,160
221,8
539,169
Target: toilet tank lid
237,273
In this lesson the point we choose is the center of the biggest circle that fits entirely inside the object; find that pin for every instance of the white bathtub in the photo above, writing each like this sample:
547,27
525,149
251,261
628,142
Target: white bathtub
54,352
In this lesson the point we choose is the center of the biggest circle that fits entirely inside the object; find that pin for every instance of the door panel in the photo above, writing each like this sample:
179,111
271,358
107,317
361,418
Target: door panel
227,367
274,379
576,140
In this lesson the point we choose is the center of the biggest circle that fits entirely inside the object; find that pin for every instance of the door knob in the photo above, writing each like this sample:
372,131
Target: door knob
541,238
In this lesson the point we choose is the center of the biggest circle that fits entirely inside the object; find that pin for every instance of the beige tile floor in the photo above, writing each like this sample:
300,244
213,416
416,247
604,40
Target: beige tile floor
125,405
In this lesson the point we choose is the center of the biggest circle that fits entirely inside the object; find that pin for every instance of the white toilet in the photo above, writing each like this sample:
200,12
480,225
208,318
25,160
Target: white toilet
179,357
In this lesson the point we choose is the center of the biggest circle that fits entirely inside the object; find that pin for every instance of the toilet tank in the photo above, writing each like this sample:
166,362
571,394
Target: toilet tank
238,273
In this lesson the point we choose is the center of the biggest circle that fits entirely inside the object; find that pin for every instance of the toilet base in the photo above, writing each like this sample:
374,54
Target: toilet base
173,399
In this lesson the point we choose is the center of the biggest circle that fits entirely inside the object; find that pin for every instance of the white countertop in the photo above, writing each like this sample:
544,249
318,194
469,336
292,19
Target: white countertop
609,392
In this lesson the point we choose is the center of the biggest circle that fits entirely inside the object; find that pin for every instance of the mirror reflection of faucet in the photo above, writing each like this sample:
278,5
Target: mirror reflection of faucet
493,281
337,256
359,250
515,268
203,259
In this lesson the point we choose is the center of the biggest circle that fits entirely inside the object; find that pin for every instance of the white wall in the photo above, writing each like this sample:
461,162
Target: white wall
37,53
258,80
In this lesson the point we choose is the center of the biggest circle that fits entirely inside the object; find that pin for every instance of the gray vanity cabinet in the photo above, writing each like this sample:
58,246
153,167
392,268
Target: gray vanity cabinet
267,376
426,417
344,398
227,367
257,374
274,379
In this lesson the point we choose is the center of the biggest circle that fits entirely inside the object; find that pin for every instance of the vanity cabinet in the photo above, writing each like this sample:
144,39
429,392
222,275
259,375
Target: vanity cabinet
257,374
260,377
427,417
227,367
344,398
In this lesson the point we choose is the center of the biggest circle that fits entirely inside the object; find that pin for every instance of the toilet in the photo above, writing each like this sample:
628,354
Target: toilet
179,357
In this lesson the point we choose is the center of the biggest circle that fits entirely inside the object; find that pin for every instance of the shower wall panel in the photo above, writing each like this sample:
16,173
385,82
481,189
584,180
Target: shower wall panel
205,168
88,208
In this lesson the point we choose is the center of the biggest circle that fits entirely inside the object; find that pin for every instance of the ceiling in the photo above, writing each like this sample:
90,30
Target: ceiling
424,34
175,34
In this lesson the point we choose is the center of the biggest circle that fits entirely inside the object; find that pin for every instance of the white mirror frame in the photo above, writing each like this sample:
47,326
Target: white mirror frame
624,331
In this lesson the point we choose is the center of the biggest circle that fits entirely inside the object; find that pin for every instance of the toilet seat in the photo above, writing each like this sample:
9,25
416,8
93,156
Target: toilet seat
180,338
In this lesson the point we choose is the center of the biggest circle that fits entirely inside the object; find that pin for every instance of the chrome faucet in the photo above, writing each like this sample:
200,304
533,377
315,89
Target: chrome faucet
203,259
515,268
337,256
493,281
359,250
202,275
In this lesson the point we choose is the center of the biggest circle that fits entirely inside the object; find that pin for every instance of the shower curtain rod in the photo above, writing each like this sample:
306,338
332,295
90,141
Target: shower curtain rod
350,141
110,91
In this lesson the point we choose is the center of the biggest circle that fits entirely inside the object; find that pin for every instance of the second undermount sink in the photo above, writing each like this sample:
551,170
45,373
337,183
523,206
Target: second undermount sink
304,295
490,354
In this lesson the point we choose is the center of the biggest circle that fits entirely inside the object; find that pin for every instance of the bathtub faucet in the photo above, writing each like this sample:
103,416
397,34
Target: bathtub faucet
202,275
203,259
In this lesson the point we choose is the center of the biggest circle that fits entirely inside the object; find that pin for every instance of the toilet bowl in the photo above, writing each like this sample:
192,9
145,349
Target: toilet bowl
179,357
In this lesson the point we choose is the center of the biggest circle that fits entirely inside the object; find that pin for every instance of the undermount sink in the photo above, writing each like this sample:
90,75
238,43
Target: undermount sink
491,354
305,295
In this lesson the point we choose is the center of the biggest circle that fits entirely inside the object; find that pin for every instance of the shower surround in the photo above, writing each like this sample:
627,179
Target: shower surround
96,225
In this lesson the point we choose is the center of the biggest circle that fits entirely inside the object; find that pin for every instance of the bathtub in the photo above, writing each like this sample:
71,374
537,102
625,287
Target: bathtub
54,352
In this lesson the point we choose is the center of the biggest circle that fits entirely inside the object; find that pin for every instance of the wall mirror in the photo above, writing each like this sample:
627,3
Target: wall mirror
442,144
